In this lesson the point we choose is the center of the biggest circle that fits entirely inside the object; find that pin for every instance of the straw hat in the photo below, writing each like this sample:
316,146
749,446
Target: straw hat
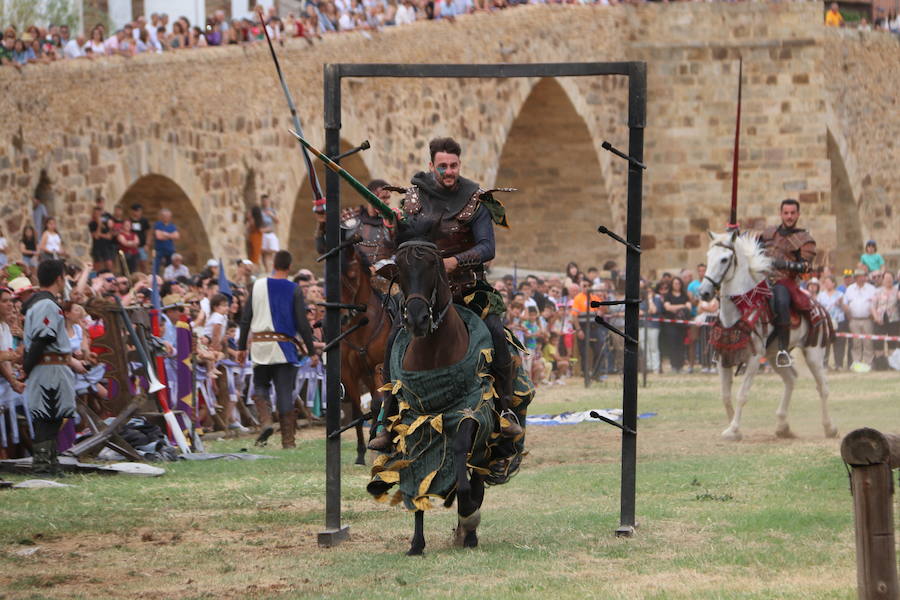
20,285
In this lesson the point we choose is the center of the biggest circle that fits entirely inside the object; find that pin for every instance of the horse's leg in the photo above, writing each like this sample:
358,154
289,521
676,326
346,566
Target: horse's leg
733,433
417,545
815,360
462,445
782,428
469,491
466,534
352,391
726,380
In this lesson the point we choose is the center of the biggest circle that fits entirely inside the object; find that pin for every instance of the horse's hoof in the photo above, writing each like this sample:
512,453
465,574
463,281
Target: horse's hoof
360,460
459,536
732,436
471,540
831,432
785,433
416,552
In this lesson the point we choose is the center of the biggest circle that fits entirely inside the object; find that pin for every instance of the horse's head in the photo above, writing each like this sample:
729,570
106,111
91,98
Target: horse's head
421,276
721,260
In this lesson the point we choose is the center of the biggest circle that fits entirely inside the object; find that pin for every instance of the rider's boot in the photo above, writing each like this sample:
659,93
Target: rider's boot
288,429
382,441
783,358
41,462
504,375
264,411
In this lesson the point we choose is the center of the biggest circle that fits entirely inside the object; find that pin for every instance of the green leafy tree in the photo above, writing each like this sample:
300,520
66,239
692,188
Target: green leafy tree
61,12
19,13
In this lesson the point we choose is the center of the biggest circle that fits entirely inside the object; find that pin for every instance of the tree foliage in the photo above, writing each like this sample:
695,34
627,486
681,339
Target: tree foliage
23,13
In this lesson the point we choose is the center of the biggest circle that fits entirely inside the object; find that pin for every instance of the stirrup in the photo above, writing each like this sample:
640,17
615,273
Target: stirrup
783,359
514,428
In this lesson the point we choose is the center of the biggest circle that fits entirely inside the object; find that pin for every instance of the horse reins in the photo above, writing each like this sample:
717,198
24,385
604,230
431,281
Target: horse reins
433,322
364,349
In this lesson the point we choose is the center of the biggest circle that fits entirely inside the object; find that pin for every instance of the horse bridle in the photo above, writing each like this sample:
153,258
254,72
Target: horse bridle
352,313
732,262
433,321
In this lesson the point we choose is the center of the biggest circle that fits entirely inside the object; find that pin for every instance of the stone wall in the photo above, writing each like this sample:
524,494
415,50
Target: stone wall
209,129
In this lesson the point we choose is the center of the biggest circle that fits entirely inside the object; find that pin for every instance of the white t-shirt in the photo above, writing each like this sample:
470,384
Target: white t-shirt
346,22
405,15
215,319
859,300
72,49
54,242
204,306
5,337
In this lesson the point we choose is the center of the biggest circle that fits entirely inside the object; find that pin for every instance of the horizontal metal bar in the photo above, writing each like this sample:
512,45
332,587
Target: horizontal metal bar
596,304
631,160
499,70
633,247
602,322
364,146
341,305
333,343
597,415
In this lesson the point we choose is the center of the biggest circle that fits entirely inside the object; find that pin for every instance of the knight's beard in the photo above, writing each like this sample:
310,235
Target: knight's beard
443,181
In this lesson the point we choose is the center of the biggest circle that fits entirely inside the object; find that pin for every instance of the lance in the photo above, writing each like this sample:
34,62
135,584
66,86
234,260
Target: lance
365,192
318,196
732,218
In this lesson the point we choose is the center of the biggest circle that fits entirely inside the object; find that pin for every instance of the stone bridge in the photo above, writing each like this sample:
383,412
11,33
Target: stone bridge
205,132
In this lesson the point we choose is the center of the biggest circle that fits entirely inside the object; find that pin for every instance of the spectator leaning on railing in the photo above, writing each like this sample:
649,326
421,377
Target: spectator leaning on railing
857,302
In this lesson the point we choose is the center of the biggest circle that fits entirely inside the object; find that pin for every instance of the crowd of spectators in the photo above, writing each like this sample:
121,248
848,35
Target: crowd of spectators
125,248
552,317
157,34
554,320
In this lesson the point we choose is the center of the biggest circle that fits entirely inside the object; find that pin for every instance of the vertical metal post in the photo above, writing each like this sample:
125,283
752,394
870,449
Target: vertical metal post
637,113
334,533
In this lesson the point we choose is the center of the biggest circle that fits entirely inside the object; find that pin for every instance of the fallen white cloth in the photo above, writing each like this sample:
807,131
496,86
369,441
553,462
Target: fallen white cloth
573,418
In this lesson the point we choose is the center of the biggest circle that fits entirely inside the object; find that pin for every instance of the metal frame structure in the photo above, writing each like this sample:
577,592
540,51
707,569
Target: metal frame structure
636,72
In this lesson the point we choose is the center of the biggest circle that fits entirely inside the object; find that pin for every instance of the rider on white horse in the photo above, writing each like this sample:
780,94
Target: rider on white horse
792,251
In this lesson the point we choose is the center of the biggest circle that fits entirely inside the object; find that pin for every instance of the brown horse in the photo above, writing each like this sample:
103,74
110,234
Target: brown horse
448,444
363,350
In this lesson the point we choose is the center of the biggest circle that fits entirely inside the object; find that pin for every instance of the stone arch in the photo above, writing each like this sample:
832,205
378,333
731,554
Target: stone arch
154,192
562,194
301,241
845,207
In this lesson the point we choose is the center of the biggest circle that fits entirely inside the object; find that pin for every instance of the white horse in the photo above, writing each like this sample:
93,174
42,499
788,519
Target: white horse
736,264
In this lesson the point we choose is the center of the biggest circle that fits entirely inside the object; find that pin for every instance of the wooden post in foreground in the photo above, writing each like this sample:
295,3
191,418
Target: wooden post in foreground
872,455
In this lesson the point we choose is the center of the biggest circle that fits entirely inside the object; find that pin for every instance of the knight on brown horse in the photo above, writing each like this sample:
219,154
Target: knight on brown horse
464,215
361,286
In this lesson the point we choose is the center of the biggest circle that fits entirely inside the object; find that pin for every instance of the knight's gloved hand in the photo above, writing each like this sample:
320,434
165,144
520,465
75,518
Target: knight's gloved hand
790,265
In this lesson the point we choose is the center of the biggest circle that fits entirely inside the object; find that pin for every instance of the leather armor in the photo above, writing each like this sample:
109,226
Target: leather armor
374,232
796,246
454,237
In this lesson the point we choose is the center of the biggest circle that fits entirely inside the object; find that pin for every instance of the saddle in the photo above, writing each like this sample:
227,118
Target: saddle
735,344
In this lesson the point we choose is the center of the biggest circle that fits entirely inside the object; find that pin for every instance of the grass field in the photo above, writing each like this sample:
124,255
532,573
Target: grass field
762,518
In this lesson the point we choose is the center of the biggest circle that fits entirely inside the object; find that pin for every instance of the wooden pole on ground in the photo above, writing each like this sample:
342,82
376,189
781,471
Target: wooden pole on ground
871,456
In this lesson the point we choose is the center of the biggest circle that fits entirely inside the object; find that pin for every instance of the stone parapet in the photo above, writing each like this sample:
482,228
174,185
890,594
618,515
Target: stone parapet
819,124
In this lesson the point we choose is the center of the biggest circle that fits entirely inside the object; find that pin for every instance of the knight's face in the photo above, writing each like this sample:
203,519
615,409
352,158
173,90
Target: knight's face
789,215
445,168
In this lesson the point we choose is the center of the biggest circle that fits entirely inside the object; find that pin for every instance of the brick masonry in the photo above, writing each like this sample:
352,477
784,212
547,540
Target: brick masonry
205,132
